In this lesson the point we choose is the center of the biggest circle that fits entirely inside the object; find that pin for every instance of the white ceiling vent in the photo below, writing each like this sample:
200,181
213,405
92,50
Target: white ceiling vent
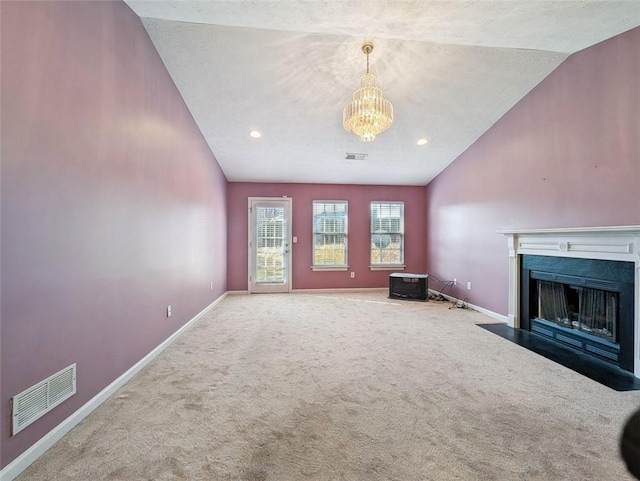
355,156
34,402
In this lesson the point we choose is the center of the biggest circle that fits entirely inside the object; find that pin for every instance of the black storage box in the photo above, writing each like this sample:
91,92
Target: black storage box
408,286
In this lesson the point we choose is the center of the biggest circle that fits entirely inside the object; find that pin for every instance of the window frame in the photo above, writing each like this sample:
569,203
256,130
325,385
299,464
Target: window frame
400,231
330,267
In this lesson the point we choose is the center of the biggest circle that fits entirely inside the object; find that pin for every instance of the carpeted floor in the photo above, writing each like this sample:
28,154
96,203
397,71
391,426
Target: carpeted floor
349,387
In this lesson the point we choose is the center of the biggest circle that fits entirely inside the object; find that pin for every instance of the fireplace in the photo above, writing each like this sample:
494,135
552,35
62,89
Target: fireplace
579,287
585,304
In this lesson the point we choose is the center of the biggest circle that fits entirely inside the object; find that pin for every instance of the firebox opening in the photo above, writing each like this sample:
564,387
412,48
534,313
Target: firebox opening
592,312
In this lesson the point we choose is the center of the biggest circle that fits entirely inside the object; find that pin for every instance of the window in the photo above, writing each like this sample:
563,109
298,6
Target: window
387,234
330,234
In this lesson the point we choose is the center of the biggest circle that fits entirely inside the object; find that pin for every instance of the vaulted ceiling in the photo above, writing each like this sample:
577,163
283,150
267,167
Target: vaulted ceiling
286,68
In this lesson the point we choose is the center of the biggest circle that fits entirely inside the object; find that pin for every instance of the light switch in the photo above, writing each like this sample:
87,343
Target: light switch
295,239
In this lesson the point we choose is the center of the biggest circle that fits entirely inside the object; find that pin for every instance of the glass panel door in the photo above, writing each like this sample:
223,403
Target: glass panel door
269,240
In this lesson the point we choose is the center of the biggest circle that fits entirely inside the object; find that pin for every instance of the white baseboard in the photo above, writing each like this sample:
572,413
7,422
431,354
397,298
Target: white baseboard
324,291
22,462
482,310
345,289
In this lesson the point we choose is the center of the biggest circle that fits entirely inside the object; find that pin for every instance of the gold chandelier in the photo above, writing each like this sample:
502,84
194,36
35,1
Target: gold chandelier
369,113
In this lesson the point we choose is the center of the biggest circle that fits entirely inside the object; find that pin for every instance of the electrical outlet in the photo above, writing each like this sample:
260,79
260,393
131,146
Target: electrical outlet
455,281
353,275
168,311
469,285
211,286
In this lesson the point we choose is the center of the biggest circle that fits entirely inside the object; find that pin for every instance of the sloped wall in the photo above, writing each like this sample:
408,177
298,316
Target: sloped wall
113,207
567,155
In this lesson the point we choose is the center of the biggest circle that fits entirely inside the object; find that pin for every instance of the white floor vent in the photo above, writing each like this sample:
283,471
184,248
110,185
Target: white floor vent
34,402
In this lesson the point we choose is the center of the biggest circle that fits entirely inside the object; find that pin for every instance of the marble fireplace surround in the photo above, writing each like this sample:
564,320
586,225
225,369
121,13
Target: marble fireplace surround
615,243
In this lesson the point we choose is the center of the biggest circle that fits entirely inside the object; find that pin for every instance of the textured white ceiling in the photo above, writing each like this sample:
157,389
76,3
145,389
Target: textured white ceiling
287,68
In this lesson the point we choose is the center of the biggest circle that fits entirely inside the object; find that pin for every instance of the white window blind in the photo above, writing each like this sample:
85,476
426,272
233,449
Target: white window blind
330,220
387,233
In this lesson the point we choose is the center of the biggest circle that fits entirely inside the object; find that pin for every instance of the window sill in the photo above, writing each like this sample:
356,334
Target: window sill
388,267
329,268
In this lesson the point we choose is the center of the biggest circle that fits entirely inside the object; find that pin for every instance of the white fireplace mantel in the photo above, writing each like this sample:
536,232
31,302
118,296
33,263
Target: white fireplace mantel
615,243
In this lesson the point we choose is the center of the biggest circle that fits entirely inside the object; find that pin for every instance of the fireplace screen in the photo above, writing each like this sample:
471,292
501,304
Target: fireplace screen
592,311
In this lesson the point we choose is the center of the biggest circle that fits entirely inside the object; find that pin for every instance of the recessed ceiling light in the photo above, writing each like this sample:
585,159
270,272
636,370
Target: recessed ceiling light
423,141
255,134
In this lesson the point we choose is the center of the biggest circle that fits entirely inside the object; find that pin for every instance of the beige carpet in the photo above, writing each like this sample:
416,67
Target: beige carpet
349,387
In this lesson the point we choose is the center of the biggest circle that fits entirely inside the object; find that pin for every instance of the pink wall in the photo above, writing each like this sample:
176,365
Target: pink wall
567,155
359,197
113,207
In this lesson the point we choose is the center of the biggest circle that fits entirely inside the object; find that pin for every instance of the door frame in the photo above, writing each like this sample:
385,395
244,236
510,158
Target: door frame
288,259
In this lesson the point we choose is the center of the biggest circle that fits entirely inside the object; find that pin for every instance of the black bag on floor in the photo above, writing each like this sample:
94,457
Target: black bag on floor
630,444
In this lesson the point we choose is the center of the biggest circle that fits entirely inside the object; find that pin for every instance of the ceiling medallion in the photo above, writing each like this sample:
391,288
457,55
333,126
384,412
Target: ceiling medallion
369,113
